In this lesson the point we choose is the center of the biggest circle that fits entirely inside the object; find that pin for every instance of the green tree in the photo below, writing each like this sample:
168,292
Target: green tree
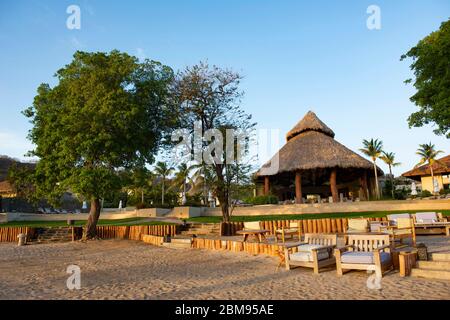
22,180
389,159
105,113
163,170
211,96
373,149
431,65
428,155
182,178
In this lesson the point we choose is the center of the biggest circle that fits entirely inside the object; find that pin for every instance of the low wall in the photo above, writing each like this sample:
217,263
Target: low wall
362,206
20,216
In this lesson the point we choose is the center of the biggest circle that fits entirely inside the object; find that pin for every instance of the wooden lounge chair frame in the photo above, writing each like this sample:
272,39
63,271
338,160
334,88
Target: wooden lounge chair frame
365,243
328,241
288,231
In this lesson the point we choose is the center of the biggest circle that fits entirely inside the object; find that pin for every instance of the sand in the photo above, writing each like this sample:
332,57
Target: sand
124,269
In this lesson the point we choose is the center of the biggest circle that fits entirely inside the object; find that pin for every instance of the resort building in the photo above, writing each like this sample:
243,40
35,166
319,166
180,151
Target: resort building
313,166
441,172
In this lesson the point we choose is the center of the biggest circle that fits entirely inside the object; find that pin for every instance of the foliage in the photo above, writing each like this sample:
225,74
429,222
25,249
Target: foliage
211,96
106,112
431,62
425,194
22,180
259,200
428,154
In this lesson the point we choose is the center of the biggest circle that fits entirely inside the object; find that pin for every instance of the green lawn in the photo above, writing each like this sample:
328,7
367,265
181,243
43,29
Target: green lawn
306,216
118,222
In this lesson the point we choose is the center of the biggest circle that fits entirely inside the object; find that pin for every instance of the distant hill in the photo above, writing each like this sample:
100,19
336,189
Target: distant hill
6,162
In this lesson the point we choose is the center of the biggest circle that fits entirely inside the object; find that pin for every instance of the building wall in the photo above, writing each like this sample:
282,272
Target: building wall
427,183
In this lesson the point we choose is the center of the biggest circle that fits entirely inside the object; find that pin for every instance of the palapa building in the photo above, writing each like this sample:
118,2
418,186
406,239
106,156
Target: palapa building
441,173
313,164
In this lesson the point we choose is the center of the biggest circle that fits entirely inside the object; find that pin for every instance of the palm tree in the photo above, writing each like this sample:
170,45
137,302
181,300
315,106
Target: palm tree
208,176
373,149
182,177
428,154
163,170
389,159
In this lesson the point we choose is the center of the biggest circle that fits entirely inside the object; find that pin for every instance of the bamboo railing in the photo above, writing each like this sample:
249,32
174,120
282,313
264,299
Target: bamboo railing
327,225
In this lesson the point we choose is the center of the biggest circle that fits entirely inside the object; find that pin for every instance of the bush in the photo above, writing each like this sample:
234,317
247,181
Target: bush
443,192
270,199
425,193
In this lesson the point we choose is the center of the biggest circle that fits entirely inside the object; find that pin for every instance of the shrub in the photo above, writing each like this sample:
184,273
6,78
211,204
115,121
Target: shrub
425,193
270,199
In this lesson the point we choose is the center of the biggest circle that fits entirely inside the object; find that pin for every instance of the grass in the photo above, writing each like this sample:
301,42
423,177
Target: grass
79,223
368,214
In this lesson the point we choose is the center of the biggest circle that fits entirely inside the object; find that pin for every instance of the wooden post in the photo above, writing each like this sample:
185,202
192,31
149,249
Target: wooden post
334,190
266,185
298,187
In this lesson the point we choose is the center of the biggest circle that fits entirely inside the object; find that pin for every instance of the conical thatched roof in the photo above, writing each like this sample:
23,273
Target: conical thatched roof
310,122
311,145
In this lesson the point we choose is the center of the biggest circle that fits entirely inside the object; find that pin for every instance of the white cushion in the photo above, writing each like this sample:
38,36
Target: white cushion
363,257
306,256
254,225
426,216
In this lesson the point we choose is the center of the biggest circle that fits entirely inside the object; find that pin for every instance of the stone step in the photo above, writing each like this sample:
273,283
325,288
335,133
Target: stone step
187,241
433,265
431,274
173,245
440,256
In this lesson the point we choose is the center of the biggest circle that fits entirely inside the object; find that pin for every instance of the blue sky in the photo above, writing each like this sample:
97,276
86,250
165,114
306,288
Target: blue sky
295,56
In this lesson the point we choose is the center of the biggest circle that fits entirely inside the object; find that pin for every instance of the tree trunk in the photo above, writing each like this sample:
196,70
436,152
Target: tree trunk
142,196
266,185
392,181
162,195
432,178
377,191
90,231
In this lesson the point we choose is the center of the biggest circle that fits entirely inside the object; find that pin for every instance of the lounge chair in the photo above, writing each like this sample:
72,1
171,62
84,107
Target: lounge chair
403,229
315,252
358,226
431,223
364,252
292,230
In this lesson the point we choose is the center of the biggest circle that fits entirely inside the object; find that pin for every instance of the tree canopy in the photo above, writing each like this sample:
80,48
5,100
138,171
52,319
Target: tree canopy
108,111
431,66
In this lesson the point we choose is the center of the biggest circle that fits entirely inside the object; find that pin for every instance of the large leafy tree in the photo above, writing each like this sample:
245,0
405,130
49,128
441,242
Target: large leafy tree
211,96
373,148
431,65
106,113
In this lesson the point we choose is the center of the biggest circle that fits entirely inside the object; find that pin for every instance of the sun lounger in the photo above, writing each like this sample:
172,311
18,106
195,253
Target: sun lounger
315,252
289,231
364,252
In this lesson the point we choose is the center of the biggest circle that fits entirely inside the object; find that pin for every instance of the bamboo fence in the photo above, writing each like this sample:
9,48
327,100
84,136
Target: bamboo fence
9,234
327,225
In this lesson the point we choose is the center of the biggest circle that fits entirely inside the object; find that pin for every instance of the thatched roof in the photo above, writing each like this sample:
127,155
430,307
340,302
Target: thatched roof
438,168
310,122
311,145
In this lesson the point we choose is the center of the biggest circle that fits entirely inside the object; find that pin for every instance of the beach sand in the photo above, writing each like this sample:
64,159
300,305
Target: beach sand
124,269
